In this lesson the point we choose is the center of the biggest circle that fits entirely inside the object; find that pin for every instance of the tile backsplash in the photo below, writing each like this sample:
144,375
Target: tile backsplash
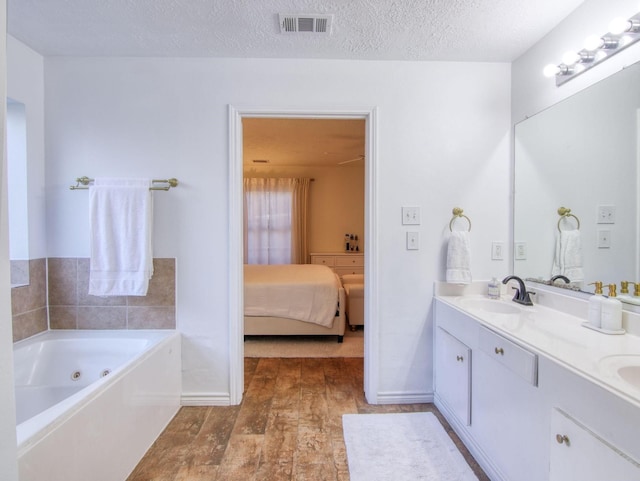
29,302
71,307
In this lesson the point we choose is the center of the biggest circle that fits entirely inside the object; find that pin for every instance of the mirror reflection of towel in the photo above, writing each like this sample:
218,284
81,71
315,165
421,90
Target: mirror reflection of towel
459,258
568,256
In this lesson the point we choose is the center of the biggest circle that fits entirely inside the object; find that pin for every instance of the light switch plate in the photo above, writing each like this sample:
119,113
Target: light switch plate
411,215
606,214
520,251
497,251
413,241
604,239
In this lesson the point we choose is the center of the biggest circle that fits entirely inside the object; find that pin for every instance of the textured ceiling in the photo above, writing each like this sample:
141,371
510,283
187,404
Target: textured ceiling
309,142
458,30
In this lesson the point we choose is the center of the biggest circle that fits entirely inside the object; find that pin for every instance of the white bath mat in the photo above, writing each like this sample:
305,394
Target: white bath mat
404,446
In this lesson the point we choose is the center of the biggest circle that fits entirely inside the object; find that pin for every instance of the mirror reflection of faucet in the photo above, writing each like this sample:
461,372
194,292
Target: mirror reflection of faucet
624,295
559,277
521,296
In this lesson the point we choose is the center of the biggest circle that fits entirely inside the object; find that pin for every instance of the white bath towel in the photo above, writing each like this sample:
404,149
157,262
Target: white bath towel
568,256
121,214
459,258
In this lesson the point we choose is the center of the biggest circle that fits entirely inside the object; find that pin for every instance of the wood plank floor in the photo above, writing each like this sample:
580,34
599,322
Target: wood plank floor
288,427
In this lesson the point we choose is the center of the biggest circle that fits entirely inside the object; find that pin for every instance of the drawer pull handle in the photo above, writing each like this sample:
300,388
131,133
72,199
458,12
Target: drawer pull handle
562,439
460,358
500,351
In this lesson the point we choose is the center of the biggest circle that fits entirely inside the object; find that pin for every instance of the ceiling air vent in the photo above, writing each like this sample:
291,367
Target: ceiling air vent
306,24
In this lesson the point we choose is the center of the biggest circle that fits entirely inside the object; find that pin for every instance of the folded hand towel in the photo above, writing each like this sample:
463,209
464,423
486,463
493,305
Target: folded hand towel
568,256
121,213
459,258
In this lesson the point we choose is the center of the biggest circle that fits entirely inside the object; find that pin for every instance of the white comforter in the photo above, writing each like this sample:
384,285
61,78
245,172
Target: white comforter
306,292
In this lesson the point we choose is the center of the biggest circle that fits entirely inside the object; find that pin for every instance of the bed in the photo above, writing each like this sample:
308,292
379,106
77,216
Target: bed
293,299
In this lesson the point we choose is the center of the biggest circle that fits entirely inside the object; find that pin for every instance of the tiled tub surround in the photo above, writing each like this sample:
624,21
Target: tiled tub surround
71,307
29,302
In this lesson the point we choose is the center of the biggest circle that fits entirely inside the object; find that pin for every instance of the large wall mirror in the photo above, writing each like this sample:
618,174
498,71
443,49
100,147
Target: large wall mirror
581,154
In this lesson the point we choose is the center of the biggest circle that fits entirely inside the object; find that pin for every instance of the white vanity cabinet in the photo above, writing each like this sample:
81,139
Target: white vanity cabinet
579,453
523,401
453,376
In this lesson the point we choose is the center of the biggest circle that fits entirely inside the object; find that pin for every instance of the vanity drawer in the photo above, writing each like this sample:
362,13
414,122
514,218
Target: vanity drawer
324,260
355,261
513,356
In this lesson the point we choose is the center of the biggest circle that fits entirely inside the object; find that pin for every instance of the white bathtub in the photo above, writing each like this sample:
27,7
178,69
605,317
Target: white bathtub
90,403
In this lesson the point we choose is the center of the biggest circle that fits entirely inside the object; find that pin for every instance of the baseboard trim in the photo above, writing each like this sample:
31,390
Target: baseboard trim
205,399
404,397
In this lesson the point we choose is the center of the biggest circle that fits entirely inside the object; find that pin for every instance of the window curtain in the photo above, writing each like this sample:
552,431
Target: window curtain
275,220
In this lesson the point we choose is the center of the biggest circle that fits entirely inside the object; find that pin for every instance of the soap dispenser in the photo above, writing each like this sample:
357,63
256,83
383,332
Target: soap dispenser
611,311
595,306
630,299
624,291
493,289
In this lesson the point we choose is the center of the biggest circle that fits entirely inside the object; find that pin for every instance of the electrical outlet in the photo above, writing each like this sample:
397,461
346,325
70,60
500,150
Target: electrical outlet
520,249
411,215
606,214
413,241
497,251
604,239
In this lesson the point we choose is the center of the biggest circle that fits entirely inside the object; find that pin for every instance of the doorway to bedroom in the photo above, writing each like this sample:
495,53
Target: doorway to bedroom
335,152
303,219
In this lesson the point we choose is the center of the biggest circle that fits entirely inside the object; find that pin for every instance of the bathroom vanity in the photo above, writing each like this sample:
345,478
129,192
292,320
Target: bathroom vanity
533,394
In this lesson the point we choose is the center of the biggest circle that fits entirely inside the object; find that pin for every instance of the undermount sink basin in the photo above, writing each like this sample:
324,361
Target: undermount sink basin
624,366
493,306
631,374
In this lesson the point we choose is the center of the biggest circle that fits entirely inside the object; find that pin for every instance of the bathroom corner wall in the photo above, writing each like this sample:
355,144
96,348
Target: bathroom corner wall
29,302
70,307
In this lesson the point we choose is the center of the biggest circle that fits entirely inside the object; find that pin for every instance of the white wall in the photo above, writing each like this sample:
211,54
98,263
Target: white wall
443,141
533,92
8,443
25,84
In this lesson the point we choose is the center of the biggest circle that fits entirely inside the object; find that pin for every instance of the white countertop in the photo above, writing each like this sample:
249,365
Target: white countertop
561,337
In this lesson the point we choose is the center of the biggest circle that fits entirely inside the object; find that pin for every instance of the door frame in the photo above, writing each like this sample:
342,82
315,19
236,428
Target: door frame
236,281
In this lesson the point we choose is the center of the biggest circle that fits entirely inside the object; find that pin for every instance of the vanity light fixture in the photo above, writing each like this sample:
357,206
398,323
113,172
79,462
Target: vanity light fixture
622,33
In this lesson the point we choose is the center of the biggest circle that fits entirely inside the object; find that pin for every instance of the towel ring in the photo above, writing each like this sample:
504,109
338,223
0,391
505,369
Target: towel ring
565,212
458,212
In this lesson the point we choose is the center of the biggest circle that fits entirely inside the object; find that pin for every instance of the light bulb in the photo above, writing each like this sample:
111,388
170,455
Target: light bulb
551,70
599,56
620,25
570,58
594,42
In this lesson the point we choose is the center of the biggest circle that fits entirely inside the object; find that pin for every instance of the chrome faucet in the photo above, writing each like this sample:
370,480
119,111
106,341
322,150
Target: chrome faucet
559,276
521,296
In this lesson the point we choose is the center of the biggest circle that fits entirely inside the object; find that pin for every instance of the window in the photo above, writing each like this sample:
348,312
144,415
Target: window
275,221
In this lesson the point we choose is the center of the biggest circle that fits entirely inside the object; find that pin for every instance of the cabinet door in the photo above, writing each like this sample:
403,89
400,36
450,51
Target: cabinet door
453,375
578,453
508,418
